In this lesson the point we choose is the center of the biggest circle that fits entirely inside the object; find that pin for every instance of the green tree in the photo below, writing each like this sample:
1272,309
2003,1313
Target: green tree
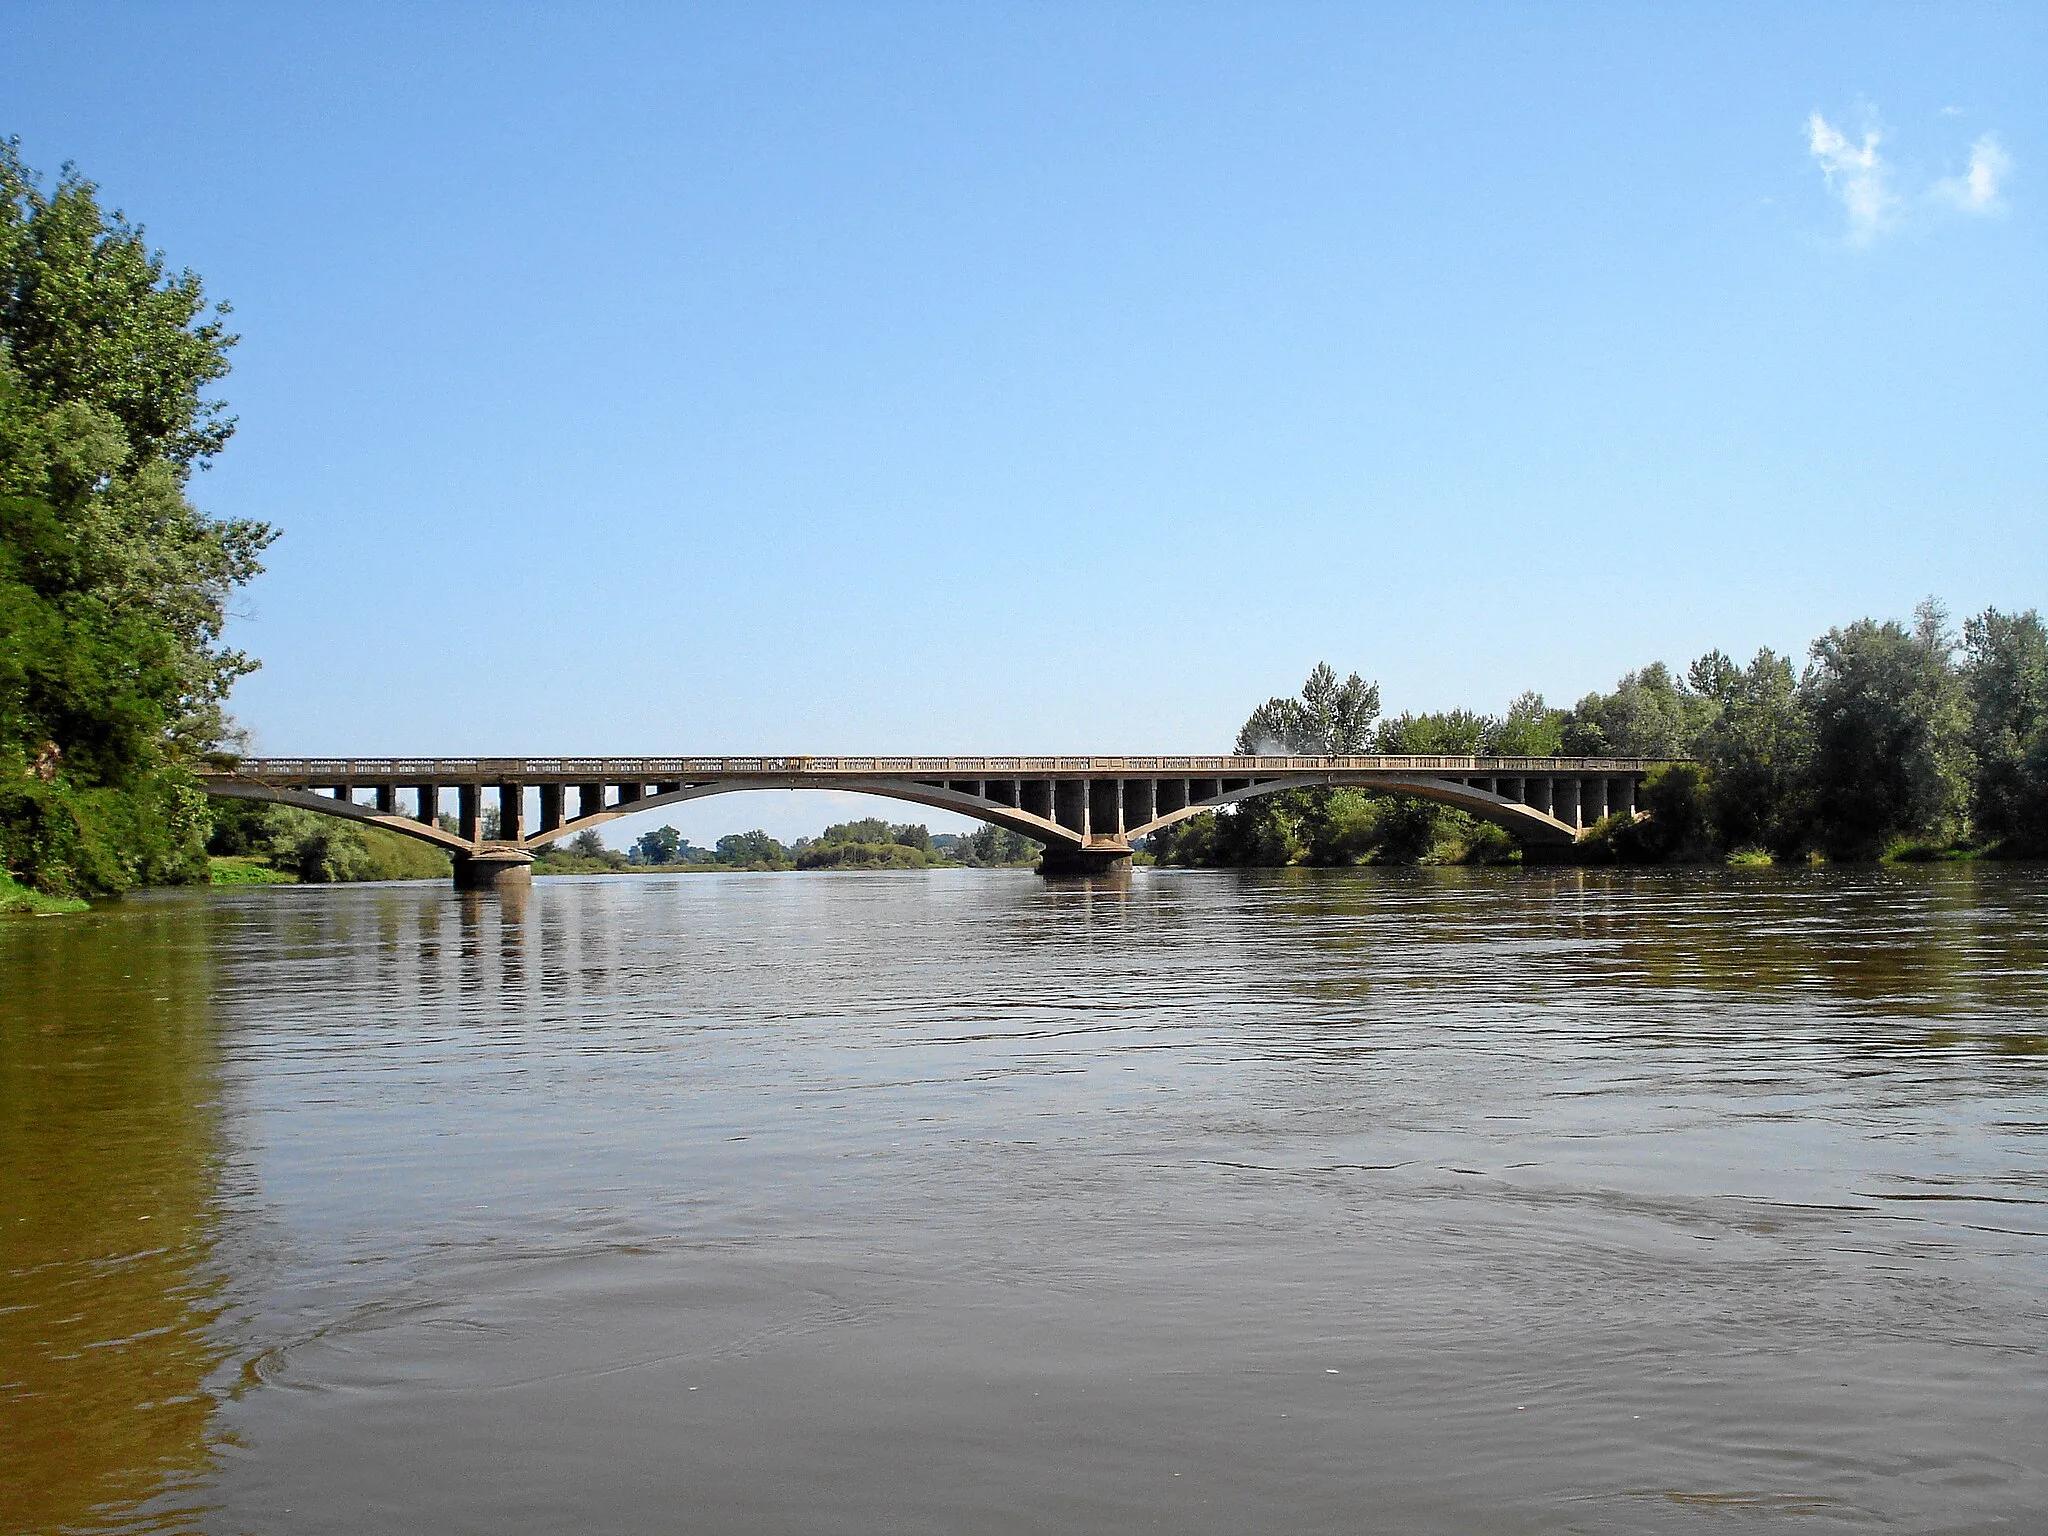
1453,733
1530,728
113,586
1890,733
1649,714
661,846
2005,671
755,847
1329,718
1756,747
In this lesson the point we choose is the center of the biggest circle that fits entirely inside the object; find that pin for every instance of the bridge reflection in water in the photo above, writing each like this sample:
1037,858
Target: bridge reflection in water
1086,810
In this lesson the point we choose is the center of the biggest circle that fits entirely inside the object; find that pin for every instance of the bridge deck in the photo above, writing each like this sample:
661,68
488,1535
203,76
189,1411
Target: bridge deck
368,771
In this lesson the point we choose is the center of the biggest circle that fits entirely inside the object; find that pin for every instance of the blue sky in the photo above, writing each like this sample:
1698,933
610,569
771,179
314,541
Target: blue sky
1067,378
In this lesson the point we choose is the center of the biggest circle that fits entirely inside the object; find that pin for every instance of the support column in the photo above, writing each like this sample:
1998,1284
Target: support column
550,807
589,800
1626,805
511,812
1542,794
1566,793
387,799
630,793
467,817
429,812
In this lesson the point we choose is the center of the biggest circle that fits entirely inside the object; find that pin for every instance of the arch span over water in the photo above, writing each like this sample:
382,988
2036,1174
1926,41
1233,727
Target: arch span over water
1085,807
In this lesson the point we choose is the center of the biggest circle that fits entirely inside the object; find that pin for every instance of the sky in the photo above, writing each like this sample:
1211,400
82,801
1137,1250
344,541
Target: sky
1070,378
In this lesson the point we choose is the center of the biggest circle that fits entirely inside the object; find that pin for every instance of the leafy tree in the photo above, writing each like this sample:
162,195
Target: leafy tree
1328,719
1649,714
1450,733
661,846
1530,728
113,586
1890,733
2005,672
755,847
992,845
1756,747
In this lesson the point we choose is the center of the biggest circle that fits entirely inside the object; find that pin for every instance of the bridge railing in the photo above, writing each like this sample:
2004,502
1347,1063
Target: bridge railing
458,770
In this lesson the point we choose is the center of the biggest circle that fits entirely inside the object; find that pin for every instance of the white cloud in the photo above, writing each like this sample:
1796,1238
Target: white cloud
1856,173
1976,190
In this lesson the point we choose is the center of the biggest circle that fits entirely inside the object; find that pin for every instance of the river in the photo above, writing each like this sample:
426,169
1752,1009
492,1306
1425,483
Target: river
1432,1201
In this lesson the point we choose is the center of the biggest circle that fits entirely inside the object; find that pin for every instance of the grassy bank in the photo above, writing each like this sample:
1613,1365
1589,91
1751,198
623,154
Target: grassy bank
243,869
19,901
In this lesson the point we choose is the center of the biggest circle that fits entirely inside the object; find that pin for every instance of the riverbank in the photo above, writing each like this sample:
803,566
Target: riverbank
20,901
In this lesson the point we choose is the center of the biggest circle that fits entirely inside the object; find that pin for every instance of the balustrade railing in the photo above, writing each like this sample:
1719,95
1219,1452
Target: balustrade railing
527,770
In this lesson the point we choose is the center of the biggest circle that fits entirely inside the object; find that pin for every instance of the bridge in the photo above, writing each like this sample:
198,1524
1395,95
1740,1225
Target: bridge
1085,810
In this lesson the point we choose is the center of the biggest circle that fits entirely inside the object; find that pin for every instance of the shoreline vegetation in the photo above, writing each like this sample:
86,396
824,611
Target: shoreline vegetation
1896,743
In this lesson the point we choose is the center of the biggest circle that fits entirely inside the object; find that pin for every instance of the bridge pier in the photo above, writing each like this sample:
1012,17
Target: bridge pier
1077,863
494,869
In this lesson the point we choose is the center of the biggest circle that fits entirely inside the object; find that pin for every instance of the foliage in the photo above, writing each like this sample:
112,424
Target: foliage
1649,714
319,849
583,854
2005,673
113,586
1678,826
1757,747
1530,728
661,846
752,850
1328,719
1888,745
871,843
989,847
1890,728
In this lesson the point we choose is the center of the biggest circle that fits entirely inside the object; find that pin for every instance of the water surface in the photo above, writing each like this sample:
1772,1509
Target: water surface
954,1201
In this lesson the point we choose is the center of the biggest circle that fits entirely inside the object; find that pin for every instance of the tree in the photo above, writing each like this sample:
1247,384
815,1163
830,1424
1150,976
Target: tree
1649,714
1530,728
1756,747
113,586
1890,733
2005,672
755,847
661,846
1454,732
1329,719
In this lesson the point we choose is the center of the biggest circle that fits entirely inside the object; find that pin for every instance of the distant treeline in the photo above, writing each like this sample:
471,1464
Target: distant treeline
1895,740
868,844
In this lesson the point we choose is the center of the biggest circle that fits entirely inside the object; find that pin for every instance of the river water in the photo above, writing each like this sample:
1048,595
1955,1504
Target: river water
1436,1201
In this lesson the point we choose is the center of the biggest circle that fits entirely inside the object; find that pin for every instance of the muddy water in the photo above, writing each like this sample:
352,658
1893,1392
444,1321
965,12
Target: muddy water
1435,1202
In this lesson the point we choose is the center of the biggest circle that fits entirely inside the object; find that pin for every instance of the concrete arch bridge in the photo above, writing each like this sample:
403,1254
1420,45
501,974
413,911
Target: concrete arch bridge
1086,810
